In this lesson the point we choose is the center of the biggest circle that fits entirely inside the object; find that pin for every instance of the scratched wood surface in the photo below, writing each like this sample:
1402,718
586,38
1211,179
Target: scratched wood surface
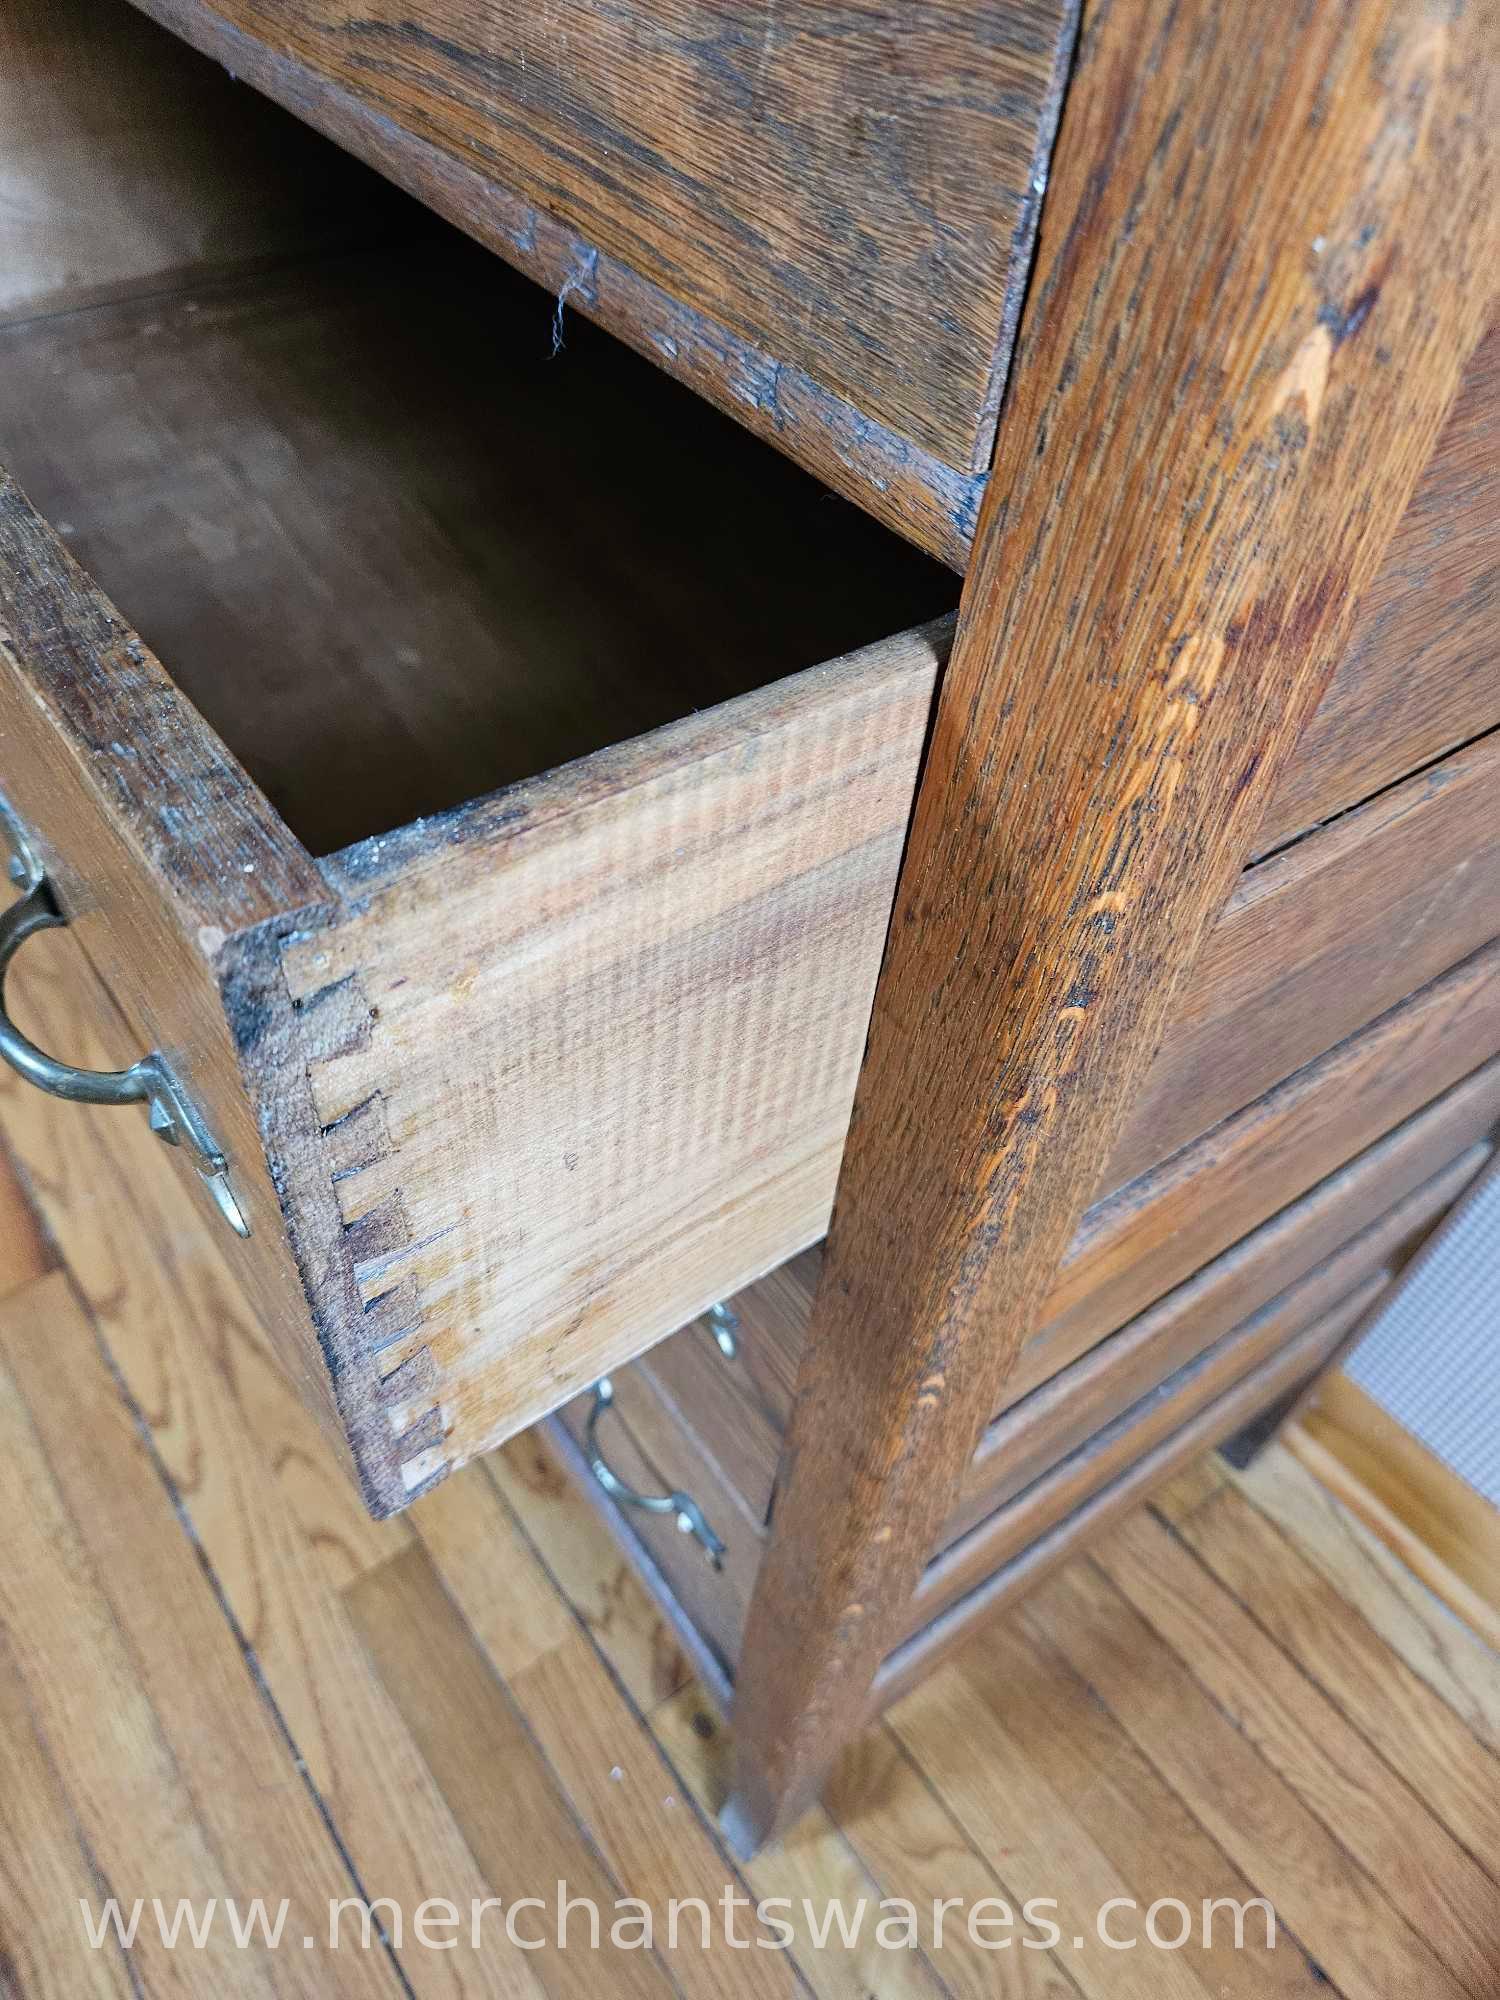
822,220
1204,458
611,1082
1421,673
471,1701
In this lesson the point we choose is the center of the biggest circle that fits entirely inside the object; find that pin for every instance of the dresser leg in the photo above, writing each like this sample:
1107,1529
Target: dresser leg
1197,473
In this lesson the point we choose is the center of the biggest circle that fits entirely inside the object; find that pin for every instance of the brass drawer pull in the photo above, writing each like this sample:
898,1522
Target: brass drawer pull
689,1514
151,1081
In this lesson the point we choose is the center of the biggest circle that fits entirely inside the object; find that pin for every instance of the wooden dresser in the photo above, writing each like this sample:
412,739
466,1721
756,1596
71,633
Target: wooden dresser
582,906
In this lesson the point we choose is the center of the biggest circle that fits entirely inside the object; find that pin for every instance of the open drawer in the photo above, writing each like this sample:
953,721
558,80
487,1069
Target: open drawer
512,1073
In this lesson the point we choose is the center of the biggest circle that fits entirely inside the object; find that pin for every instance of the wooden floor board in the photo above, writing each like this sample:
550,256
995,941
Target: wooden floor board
513,1814
175,1766
593,1737
24,1251
1378,1694
814,1862
1343,1918
1414,1624
214,1668
1380,1817
908,1840
45,1870
1412,1499
1002,1797
578,1551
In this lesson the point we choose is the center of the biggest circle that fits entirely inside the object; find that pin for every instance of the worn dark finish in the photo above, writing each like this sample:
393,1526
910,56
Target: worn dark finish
1319,940
1422,669
481,558
821,223
1192,380
739,1413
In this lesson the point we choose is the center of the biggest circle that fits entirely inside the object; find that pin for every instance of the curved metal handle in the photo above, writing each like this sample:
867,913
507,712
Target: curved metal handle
689,1514
173,1115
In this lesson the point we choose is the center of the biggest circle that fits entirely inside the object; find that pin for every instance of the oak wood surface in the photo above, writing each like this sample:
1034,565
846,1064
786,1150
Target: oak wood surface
1061,1415
611,1083
130,165
1349,1134
1340,1914
1317,941
205,1792
155,857
1445,1531
852,197
1422,671
927,1813
1298,1606
1446,1893
739,1427
1110,725
1390,1599
401,558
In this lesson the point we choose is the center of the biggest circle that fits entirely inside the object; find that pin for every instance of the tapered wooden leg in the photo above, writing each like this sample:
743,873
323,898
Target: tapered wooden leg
1244,249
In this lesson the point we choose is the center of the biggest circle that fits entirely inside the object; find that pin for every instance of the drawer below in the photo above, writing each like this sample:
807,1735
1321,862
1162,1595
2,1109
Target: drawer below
1205,1360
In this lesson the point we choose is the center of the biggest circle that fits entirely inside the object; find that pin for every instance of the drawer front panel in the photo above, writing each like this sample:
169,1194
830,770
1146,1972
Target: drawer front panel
1042,1429
956,1613
1421,673
821,220
644,1445
157,848
1212,1198
1263,1359
1318,941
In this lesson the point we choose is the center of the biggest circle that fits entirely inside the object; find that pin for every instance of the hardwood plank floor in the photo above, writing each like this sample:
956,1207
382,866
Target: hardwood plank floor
217,1678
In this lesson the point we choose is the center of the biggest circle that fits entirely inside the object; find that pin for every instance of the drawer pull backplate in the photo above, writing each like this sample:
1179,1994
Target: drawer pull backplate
151,1081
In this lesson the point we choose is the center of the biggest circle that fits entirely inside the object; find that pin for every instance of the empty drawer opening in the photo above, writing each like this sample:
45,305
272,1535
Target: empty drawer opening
406,532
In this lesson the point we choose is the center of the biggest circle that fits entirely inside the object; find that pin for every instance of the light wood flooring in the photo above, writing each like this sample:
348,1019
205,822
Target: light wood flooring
218,1678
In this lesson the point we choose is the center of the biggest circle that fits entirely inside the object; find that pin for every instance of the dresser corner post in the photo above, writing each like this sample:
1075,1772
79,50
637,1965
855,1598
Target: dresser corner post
1185,507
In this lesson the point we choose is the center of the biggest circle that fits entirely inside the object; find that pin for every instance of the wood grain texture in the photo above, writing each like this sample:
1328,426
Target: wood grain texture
156,856
740,1412
1391,1704
130,165
1379,1587
1446,1532
485,559
1276,1349
1060,1416
1231,1218
1065,1769
1157,1231
1421,672
272,1513
932,1815
852,194
1429,1158
224,1808
1343,1916
1444,1892
610,1082
1319,940
1111,723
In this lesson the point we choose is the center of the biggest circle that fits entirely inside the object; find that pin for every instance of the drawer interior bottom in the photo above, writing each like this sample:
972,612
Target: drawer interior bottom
406,531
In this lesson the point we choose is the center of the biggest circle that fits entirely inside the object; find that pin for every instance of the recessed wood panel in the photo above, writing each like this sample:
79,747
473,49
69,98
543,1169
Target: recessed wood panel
1421,672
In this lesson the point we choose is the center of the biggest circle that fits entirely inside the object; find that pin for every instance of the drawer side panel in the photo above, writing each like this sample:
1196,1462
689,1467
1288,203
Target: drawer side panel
594,1045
